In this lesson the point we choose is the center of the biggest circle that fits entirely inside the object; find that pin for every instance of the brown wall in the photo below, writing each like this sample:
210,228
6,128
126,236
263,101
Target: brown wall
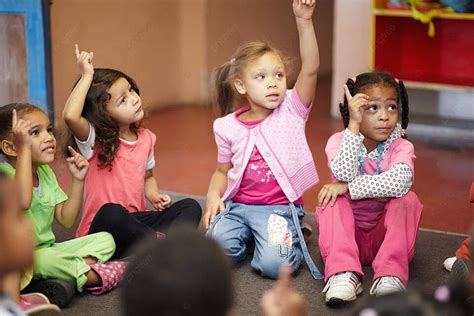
169,46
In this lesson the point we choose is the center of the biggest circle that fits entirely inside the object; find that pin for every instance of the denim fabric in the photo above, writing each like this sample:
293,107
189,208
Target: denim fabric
272,227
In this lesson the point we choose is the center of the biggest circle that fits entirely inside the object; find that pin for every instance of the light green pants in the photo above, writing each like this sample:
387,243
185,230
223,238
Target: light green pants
65,260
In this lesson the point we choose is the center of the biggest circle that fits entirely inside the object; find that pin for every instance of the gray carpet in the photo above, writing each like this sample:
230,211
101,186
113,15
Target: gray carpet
426,273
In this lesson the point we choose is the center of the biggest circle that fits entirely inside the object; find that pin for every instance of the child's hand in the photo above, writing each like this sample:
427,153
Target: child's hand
160,201
213,206
21,131
356,105
303,9
282,299
84,60
77,165
330,192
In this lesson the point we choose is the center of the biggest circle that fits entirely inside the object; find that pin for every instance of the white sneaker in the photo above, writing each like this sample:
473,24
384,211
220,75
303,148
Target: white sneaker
448,263
386,285
342,287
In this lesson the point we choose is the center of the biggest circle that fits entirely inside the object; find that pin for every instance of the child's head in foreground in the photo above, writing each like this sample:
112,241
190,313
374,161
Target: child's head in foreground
184,274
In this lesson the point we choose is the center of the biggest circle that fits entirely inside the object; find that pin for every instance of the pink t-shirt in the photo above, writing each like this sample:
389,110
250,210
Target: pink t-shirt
124,184
258,185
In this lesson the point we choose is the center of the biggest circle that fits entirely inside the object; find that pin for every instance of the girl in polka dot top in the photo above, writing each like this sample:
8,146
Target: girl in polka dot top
368,215
264,164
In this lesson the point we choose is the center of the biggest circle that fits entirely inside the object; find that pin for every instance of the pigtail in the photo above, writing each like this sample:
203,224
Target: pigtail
223,94
344,107
404,103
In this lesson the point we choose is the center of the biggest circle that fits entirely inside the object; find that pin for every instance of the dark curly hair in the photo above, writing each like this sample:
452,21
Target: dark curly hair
376,78
6,113
106,128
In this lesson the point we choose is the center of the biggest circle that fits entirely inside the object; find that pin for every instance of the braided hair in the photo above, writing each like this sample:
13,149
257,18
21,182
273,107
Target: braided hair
376,78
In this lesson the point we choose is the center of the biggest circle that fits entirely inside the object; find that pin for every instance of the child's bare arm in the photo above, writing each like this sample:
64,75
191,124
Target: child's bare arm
217,187
78,125
67,212
309,51
21,146
152,193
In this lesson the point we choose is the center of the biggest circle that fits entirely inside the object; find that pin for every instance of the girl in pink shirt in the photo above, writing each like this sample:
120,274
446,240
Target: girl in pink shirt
104,113
264,164
368,215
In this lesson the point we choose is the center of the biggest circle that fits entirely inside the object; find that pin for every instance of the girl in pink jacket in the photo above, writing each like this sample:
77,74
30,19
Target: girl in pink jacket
264,164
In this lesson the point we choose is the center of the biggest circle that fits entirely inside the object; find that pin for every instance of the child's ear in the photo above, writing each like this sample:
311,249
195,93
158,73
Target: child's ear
8,148
239,86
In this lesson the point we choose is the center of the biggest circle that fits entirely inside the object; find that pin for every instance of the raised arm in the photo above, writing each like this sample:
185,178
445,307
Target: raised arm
78,125
309,51
66,213
23,165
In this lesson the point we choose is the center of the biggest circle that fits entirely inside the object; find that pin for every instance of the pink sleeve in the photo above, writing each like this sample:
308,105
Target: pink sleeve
403,152
333,146
224,154
295,103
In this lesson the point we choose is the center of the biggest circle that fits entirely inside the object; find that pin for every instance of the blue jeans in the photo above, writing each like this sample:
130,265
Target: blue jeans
277,240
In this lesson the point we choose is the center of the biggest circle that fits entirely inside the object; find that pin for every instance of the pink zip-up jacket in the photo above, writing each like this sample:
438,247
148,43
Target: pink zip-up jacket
281,140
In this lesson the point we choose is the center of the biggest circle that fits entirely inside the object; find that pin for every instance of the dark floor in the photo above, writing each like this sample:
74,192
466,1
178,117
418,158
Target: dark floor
186,155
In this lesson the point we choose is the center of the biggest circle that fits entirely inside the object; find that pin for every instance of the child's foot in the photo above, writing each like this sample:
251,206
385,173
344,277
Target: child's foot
448,263
307,231
110,273
342,288
37,304
58,292
386,285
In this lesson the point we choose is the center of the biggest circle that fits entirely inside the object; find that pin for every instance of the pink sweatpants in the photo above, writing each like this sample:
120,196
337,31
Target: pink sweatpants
389,245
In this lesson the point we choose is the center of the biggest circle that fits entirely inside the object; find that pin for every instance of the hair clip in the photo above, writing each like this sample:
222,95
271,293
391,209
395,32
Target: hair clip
403,132
354,79
232,61
396,80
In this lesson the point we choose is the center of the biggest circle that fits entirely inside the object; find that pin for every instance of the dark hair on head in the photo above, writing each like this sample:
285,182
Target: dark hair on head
376,78
4,179
224,96
6,114
106,128
184,274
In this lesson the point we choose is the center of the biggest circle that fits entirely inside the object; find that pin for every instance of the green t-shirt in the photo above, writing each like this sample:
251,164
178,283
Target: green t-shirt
43,203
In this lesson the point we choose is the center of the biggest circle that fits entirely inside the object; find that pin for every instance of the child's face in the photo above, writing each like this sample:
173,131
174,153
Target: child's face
43,146
381,115
125,105
16,233
264,82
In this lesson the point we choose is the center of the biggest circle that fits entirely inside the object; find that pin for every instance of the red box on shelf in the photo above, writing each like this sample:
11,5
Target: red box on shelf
403,48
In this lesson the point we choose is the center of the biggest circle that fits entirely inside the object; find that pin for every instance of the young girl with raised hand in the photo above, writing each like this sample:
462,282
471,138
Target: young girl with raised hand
104,113
368,215
28,144
264,162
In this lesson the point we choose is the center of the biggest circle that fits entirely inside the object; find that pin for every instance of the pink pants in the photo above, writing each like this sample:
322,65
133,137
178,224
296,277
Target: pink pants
389,245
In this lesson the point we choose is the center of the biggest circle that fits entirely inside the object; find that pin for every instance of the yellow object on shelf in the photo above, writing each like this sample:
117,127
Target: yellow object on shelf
427,16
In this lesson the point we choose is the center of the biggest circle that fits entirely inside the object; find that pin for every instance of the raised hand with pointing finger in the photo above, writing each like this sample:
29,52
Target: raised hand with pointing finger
84,60
356,108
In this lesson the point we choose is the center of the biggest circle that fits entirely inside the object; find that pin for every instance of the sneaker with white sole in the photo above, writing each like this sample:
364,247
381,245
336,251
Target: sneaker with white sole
386,285
448,263
342,288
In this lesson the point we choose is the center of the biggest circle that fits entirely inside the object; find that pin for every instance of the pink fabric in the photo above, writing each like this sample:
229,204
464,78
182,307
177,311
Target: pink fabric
399,151
111,274
281,140
388,246
259,185
124,184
